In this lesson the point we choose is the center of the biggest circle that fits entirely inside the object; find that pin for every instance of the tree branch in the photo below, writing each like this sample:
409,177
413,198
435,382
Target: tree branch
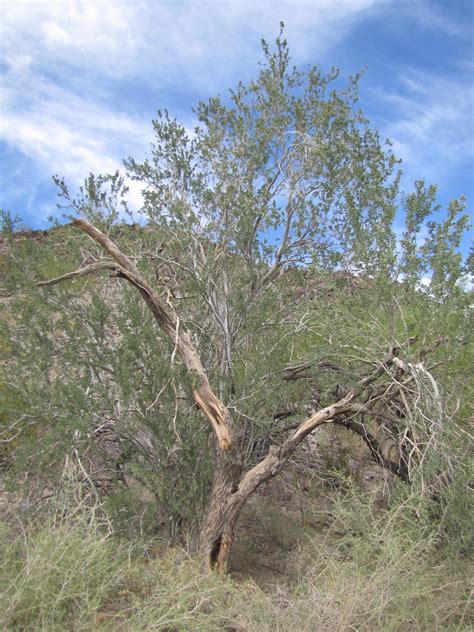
212,407
399,468
89,269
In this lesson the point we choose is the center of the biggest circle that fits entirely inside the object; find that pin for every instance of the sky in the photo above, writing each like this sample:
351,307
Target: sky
82,81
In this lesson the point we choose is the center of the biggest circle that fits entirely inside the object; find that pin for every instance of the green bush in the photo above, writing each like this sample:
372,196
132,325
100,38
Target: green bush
387,572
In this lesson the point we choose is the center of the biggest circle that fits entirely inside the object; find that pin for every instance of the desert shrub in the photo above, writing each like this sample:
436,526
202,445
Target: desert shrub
171,593
387,572
71,572
59,571
375,570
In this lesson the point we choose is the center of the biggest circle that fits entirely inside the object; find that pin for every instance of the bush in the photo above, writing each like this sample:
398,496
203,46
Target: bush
387,572
58,572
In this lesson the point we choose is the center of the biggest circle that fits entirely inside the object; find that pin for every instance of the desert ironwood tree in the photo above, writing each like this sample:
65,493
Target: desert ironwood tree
283,175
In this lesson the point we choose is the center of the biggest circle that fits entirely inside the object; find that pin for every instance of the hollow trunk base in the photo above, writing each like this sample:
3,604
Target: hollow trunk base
229,494
217,534
217,540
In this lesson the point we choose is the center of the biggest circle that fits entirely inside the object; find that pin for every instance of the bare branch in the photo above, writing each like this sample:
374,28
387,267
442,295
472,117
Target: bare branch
273,270
89,269
321,417
399,468
106,244
297,372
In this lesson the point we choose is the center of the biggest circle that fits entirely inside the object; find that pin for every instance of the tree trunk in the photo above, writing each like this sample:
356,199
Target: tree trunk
217,533
229,494
231,490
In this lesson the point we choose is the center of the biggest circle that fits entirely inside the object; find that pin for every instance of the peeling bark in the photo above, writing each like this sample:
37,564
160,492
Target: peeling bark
211,406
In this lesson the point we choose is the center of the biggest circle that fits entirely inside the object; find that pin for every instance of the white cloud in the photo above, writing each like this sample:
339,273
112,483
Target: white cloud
430,123
64,59
66,134
198,38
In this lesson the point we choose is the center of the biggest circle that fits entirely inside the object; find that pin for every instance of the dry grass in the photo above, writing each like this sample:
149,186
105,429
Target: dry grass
385,574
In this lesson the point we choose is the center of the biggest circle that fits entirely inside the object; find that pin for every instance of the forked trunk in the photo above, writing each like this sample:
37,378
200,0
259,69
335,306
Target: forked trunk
229,494
230,489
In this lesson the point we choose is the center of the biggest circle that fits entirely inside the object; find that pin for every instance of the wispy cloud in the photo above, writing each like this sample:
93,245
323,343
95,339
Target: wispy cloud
429,118
438,16
63,132
74,70
82,79
120,38
60,132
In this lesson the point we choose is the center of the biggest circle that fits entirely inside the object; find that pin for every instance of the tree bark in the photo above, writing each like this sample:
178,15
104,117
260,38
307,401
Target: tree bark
217,533
227,499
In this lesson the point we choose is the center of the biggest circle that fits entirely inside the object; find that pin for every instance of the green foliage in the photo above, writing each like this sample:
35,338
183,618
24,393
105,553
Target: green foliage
71,571
272,230
8,223
286,168
385,573
101,199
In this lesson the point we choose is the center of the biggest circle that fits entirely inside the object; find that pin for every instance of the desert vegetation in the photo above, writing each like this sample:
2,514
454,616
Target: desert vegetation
272,361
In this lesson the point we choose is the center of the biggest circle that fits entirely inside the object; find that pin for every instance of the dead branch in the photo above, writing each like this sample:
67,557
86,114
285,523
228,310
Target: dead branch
297,372
89,269
165,316
399,468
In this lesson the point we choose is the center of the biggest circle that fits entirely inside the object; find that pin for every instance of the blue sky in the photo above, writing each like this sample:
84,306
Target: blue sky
81,81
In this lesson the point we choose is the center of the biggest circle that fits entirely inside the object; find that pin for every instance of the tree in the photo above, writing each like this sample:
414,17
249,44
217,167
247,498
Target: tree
287,176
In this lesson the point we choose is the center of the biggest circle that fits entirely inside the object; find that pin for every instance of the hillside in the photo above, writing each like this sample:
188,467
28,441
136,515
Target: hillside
327,544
